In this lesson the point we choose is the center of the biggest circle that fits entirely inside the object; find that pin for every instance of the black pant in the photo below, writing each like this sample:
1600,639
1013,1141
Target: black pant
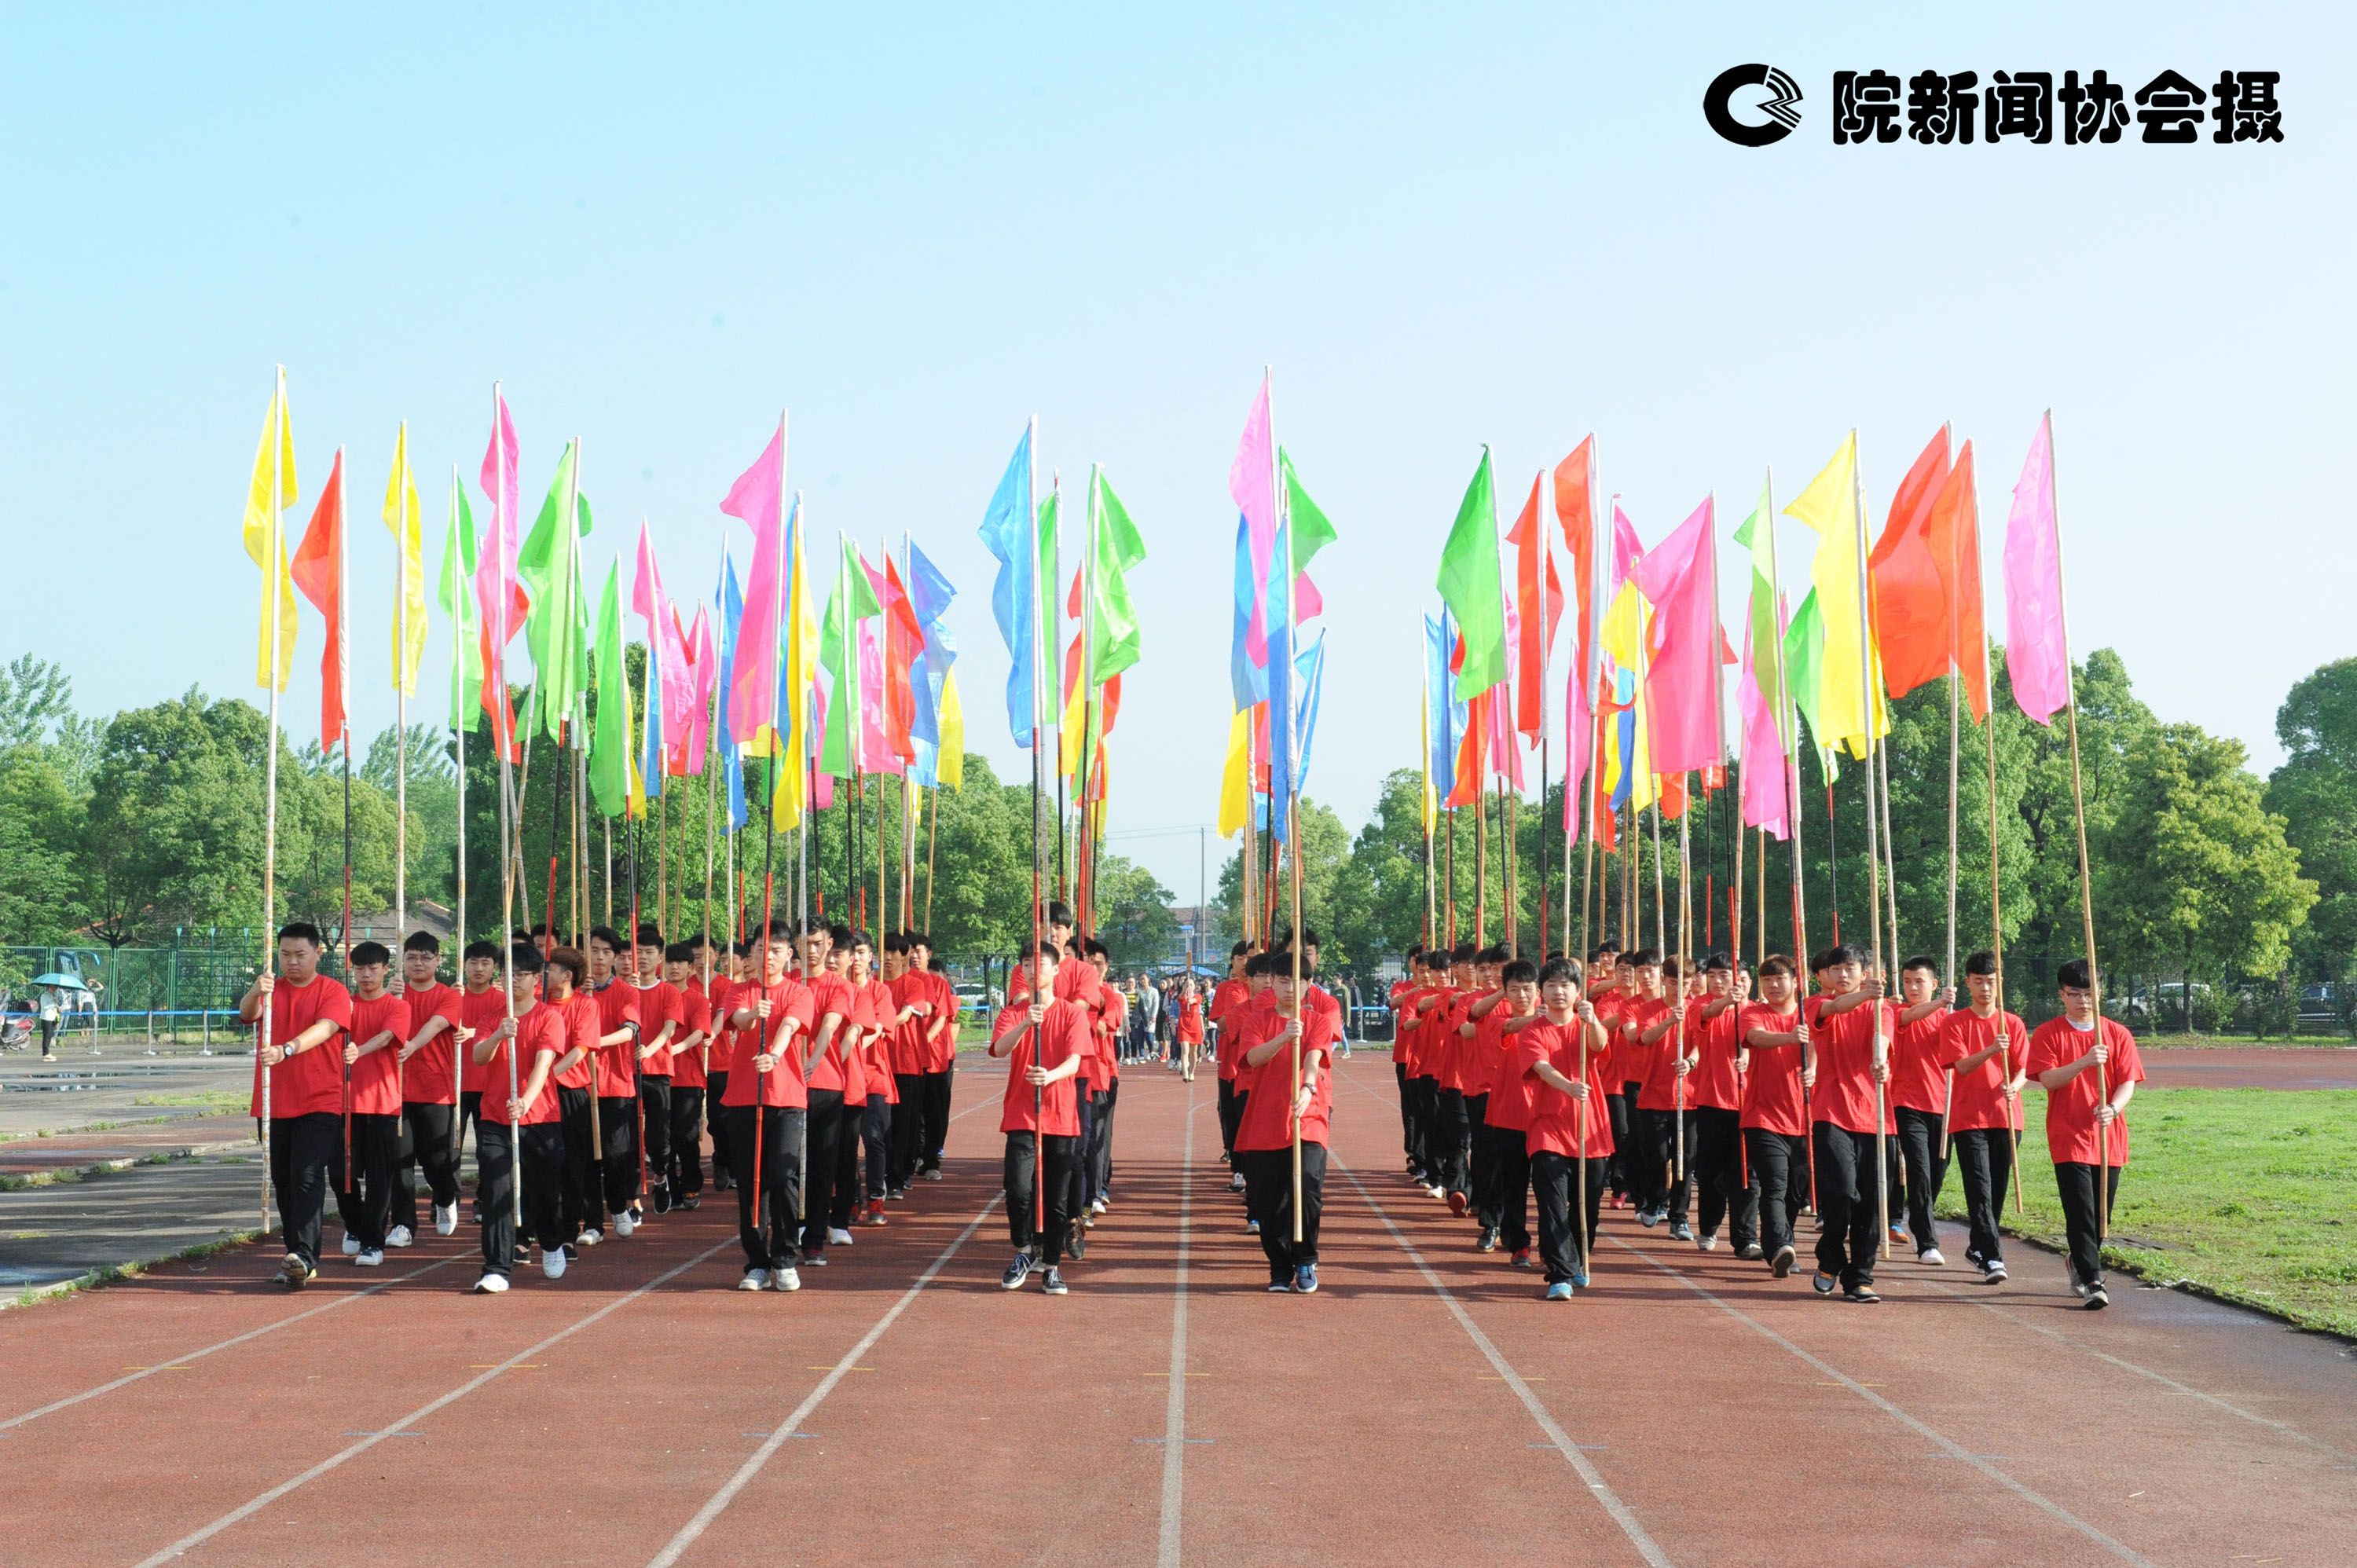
578,1199
770,1243
875,1141
1507,1208
1232,1109
617,1119
654,1112
845,1208
1621,1166
1452,1138
2076,1185
1268,1197
365,1201
1085,1102
1100,1150
1477,1174
1406,1107
426,1144
1926,1172
825,1166
907,1121
1715,1160
1849,1202
1780,1180
715,1086
1063,1158
1563,1246
1651,1139
543,1181
1424,1093
303,1150
1984,1167
685,1170
934,1136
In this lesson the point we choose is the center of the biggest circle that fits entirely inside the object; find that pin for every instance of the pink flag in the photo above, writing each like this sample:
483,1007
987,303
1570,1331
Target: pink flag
1764,783
1579,720
875,753
1681,688
1251,485
2036,653
822,784
495,563
693,737
665,640
1307,602
1626,551
757,500
1505,751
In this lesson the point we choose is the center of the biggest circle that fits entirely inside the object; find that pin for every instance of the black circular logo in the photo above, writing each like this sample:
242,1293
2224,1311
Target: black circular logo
1781,105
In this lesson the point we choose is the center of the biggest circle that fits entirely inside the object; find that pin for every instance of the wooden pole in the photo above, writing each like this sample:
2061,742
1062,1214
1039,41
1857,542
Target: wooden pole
274,555
459,652
1873,877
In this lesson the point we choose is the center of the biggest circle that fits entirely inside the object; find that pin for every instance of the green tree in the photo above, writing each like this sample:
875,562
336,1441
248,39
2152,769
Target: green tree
172,835
433,805
36,696
1326,847
1133,913
41,821
2315,791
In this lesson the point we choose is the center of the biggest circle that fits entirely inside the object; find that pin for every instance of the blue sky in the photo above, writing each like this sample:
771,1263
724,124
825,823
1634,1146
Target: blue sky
1442,228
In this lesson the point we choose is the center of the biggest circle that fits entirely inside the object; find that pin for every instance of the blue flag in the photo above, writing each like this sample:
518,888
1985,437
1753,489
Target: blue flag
1311,667
929,597
1247,679
1283,773
730,603
1007,530
1448,715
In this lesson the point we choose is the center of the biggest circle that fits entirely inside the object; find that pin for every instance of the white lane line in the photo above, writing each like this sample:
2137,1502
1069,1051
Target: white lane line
736,1483
1559,1439
247,1510
1173,1420
230,1344
1946,1445
2163,1379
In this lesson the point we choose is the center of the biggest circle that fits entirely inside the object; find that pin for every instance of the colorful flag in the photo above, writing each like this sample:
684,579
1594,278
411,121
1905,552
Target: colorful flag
557,628
1574,510
694,739
1467,581
1956,537
1444,715
1679,577
1764,798
1538,606
731,601
950,765
406,520
610,767
455,593
1804,674
853,601
1235,776
320,572
1307,524
1849,698
1251,485
1115,638
2036,648
1758,534
1911,633
265,532
668,690
1311,668
1248,647
498,593
1005,530
797,694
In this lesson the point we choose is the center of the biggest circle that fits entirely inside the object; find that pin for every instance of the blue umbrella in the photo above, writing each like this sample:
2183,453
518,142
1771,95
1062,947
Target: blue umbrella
70,982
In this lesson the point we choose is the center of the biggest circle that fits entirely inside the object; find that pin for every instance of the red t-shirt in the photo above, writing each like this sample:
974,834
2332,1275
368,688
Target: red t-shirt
1444,1046
1633,1062
1189,1026
1408,1043
1773,1099
694,1018
1661,1090
480,1011
376,1076
1559,1123
658,1004
876,1046
1714,1082
1226,997
1267,1122
1104,1028
1918,1072
1981,1103
426,1076
1062,1034
2071,1109
1844,1093
618,1006
831,995
582,1018
1510,1087
544,1028
723,992
312,1082
1477,1064
782,1084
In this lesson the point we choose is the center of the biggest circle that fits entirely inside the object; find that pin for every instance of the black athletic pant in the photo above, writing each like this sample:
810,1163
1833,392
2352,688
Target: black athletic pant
1926,1172
1984,1167
1479,1177
935,1135
1063,1158
1268,1197
825,1165
1622,1163
543,1181
364,1208
1423,1095
1451,1137
1507,1208
1563,1247
1780,1170
1715,1161
716,1088
1100,1152
425,1144
577,1200
1407,1108
1648,1160
875,1142
1848,1202
2076,1185
617,1119
908,1121
1232,1109
772,1244
1086,1101
303,1150
654,1111
687,1166
844,1208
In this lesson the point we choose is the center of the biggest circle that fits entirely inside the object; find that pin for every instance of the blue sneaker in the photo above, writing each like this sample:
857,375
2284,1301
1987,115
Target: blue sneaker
1305,1280
1559,1291
1580,1279
1251,1227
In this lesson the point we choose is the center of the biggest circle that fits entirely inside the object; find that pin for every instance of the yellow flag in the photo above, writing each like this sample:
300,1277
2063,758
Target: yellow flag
265,532
1852,665
1069,731
408,526
802,664
950,765
1236,780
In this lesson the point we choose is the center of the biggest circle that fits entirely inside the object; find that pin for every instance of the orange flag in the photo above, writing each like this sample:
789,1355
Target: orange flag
1910,582
318,572
1955,539
1538,596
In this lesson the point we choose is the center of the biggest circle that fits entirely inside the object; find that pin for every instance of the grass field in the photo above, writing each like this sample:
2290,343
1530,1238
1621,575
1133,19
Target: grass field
2250,1194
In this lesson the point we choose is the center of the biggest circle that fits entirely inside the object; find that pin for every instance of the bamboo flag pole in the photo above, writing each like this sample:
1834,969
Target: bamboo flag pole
275,433
400,679
459,588
1039,844
1873,873
503,741
344,738
1424,805
579,905
1678,1002
790,624
932,846
1955,724
1290,718
2007,1100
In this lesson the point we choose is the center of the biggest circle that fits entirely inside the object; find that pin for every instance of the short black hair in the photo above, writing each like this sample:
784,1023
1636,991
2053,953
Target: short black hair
1240,950
1715,961
897,942
1923,962
610,936
1046,950
526,959
302,932
650,934
1639,958
1980,962
1059,914
1494,953
2075,975
680,952
861,939
481,949
1562,968
1520,971
840,935
1839,953
423,942
1463,953
1775,964
370,952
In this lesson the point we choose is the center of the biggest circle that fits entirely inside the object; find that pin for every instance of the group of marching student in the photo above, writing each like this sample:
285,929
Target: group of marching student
619,1052
1664,1088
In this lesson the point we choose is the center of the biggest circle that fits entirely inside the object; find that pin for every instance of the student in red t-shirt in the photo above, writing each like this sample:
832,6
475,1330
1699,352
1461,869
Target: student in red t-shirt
1615,974
1226,997
618,1036
429,1093
765,1105
736,969
1670,1047
482,1007
1986,1053
691,1050
904,1048
576,1098
1045,1042
1852,1064
1919,1097
1715,1105
1478,1045
1644,1035
1565,1056
1440,1053
939,1055
1506,1118
1101,1073
299,1052
1773,1061
529,1123
2089,1067
1290,1038
877,1044
829,1066
373,1089
657,1004
1187,1029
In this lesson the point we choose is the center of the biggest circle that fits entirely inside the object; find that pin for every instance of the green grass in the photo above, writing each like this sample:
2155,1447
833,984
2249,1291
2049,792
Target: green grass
209,1098
2246,1194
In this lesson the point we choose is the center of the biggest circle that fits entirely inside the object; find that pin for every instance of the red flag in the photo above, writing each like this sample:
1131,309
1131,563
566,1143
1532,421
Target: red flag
1955,539
318,572
1465,789
1538,599
1911,591
902,639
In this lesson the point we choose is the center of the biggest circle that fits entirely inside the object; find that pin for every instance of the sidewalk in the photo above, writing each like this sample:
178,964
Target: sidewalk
88,1154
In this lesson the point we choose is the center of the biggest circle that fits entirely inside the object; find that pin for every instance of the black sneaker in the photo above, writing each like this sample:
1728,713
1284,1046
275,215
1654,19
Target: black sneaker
1489,1242
1052,1282
1017,1272
1281,1287
2096,1299
1862,1294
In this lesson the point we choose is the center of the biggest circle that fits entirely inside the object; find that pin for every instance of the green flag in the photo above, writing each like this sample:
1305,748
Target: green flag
609,746
1113,648
1804,663
556,626
838,655
455,593
1469,585
1051,599
1767,637
1311,530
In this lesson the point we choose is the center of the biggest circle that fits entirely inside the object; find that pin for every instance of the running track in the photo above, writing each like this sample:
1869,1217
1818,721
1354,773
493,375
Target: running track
1424,1407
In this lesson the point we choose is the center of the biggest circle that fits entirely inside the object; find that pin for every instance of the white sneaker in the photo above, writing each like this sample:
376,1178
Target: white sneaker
589,1237
1708,1241
624,1225
370,1258
1436,1192
755,1279
552,1262
351,1245
398,1236
1930,1258
1236,1182
837,1236
446,1223
786,1280
491,1284
1099,1206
